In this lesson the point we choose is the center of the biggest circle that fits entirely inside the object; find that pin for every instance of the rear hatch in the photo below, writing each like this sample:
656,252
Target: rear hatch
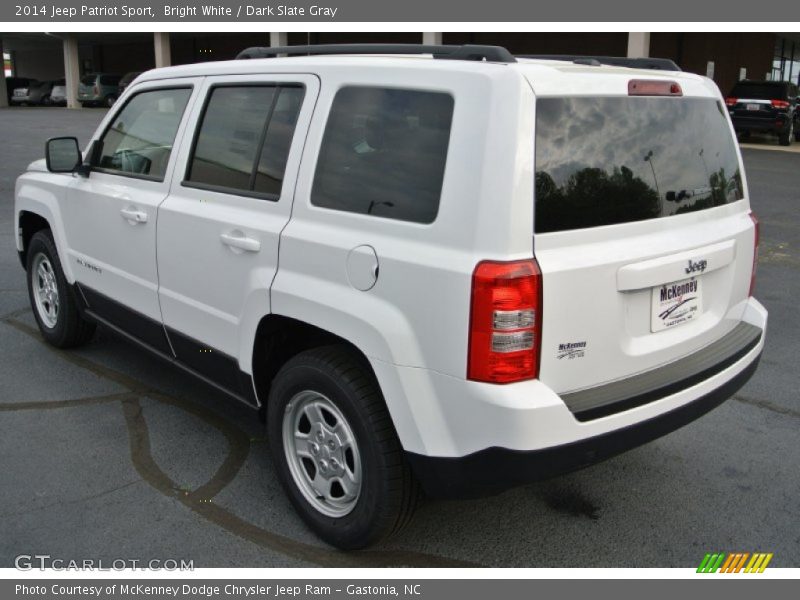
642,229
23,89
87,88
758,101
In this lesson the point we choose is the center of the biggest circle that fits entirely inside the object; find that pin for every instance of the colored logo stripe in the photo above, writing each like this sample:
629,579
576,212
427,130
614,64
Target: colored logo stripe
758,563
711,563
734,563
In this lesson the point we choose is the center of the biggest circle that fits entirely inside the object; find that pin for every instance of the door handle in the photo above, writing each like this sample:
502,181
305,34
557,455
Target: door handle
133,215
239,241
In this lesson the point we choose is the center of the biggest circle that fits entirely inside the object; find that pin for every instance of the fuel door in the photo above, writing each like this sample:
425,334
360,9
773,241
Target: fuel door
362,267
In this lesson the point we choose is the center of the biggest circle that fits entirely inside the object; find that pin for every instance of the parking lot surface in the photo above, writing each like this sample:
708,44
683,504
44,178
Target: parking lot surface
108,453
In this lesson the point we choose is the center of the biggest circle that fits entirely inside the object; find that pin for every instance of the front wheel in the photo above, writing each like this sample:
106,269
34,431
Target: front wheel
336,451
52,300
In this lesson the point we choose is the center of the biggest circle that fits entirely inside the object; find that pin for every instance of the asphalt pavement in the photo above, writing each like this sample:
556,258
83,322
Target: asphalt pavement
107,453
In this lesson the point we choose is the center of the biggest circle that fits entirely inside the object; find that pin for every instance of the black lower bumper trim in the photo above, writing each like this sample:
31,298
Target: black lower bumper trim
669,379
495,469
760,125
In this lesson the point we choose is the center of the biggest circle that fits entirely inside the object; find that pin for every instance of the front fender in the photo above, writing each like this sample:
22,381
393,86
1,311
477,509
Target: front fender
41,193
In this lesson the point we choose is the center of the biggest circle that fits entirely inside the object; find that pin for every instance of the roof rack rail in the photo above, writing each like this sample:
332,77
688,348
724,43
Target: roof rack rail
450,52
658,64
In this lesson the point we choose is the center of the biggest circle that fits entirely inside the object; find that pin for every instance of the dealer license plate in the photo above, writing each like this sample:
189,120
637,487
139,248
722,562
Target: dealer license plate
675,303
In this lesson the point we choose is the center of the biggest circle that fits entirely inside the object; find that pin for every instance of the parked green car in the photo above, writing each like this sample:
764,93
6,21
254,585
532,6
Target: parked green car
98,89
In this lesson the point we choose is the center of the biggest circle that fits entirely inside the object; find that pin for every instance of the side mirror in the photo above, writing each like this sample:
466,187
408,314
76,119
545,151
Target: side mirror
62,154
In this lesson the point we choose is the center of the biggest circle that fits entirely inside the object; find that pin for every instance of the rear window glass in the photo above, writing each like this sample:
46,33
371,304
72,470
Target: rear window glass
384,153
88,80
602,161
759,91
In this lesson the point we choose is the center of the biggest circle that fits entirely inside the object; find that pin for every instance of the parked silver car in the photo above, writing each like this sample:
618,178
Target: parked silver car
58,95
35,93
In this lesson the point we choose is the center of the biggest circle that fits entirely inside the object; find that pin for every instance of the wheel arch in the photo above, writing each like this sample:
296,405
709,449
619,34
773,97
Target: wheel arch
28,224
279,338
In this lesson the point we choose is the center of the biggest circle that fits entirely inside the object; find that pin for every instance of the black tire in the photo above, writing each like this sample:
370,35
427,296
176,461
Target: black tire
796,133
46,101
786,136
110,100
389,494
70,328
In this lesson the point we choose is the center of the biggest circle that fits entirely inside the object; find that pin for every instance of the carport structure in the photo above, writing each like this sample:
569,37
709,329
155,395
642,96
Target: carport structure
44,56
48,56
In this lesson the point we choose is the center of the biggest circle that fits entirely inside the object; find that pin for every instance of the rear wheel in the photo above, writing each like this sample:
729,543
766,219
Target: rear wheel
52,300
787,134
110,100
336,451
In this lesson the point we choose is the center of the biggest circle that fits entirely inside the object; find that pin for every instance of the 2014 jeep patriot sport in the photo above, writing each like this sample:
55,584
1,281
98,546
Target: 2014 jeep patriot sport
430,268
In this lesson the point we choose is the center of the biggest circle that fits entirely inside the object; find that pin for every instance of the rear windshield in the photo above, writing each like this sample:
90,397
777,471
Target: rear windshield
759,91
88,79
603,161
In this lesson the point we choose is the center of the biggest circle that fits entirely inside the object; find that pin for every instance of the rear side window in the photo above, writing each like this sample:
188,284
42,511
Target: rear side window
109,79
139,139
244,138
384,153
603,161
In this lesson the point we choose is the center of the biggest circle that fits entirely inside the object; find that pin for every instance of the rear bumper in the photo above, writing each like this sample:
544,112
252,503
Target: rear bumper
466,439
492,470
766,125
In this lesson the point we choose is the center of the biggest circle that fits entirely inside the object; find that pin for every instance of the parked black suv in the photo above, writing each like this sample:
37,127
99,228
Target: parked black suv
766,107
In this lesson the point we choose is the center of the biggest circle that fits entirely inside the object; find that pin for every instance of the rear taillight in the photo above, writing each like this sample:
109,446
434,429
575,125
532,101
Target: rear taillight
651,87
782,104
731,101
756,236
505,321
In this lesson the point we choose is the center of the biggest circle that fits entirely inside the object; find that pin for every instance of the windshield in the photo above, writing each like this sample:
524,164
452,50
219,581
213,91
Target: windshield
608,160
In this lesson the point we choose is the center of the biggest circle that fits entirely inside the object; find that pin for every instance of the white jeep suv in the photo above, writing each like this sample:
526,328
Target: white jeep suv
438,269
